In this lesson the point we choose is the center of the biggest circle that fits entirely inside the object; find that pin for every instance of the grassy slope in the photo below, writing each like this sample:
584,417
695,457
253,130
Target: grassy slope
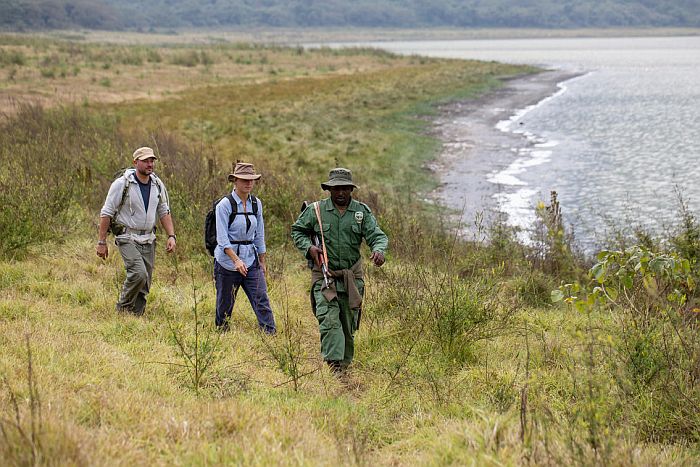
108,395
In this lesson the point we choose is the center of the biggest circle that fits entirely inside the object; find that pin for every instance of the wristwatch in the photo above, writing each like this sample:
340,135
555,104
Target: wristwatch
101,242
173,236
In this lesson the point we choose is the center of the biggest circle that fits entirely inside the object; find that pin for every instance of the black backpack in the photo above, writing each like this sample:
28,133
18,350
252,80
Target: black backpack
210,220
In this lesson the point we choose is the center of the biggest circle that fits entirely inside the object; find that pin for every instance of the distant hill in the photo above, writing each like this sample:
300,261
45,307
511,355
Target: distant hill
163,14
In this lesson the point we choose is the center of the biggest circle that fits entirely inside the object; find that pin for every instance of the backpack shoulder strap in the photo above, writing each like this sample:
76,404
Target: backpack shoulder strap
234,209
254,200
125,191
159,184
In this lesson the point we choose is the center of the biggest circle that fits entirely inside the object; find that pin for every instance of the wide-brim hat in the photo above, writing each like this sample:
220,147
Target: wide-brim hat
141,154
339,177
244,171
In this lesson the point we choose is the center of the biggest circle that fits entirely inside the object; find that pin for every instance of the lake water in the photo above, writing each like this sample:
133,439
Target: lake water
613,142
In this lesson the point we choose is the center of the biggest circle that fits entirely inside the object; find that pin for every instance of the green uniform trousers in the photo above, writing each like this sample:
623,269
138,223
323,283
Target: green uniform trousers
337,324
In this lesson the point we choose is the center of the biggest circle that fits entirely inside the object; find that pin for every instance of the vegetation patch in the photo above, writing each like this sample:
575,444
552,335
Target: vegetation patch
462,357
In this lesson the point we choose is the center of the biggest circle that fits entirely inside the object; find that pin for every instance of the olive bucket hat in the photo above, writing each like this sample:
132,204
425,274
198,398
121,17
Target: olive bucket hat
243,170
339,177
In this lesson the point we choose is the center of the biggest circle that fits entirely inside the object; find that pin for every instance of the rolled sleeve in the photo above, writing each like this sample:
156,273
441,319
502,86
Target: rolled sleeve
223,211
164,202
259,240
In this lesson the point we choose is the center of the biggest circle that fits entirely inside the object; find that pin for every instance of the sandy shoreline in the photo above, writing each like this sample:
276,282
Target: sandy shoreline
473,148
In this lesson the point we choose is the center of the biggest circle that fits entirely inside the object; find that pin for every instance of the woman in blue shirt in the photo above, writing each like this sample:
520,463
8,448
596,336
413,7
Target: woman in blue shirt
240,251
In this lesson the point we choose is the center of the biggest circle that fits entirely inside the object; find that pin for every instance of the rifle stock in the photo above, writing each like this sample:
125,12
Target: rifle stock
315,241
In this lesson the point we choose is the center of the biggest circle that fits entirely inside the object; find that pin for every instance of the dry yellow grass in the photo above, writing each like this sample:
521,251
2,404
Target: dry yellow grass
83,73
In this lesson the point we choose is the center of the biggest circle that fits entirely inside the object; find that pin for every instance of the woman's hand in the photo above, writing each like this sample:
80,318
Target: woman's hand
240,267
263,263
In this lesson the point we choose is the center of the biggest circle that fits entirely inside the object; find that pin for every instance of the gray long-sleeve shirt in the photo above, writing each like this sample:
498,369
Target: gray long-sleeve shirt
132,213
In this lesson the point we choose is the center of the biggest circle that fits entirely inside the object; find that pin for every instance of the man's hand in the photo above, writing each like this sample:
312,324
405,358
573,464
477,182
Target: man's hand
316,254
170,245
377,258
102,251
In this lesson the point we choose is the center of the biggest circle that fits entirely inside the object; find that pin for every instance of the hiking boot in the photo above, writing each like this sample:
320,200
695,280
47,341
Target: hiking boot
123,309
336,367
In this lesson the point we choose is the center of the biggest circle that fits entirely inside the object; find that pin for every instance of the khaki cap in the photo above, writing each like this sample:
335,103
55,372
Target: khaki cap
141,154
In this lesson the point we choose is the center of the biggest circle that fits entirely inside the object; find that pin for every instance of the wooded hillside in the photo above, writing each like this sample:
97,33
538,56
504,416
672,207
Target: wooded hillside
160,14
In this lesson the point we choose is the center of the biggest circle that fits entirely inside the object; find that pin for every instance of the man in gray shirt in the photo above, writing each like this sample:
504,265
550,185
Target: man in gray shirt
134,203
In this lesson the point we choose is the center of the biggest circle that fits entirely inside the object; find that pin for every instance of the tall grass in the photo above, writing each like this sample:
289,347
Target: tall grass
26,436
52,163
460,357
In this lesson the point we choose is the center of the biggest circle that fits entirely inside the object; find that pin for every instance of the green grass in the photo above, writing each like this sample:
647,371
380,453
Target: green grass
460,359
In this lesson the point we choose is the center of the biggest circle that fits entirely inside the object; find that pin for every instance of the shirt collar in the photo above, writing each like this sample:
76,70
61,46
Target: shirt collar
352,207
238,199
131,176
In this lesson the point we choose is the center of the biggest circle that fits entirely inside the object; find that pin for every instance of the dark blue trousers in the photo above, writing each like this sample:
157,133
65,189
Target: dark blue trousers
254,286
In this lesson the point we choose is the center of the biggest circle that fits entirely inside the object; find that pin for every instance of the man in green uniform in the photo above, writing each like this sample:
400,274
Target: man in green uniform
340,223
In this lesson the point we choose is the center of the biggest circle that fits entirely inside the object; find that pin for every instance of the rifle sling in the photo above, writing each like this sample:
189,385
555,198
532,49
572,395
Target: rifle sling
317,210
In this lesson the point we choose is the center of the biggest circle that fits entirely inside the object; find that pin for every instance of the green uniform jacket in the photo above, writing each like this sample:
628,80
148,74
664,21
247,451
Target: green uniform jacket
343,234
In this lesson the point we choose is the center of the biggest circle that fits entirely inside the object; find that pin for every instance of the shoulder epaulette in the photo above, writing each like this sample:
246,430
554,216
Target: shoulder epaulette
364,206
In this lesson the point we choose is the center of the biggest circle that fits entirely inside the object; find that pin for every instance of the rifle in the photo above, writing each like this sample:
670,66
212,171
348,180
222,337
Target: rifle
319,243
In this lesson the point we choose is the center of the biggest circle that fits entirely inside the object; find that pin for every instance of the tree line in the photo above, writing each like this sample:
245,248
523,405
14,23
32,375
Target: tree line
160,14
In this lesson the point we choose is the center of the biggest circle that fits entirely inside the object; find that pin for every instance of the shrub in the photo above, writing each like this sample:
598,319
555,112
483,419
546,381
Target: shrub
554,246
47,72
152,56
188,58
196,347
686,240
657,351
12,57
130,57
47,176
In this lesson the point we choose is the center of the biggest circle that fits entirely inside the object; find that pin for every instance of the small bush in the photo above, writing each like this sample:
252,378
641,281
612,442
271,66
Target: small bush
130,57
531,288
49,72
686,239
189,58
152,56
12,57
657,350
205,58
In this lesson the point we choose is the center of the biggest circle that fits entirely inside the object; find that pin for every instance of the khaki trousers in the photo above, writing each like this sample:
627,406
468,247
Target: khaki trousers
138,261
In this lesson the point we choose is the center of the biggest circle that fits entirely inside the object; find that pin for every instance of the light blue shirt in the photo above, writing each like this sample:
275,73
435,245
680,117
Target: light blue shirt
237,232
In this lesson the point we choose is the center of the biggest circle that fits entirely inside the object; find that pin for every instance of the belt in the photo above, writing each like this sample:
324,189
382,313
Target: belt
138,232
238,244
